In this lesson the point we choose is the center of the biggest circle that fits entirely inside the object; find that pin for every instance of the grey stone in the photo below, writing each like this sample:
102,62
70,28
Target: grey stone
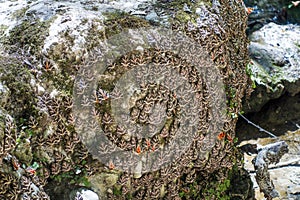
275,64
83,194
152,17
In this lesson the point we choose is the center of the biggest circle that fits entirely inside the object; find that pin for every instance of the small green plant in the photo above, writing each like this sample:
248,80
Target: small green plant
29,132
117,191
182,194
250,74
218,192
73,178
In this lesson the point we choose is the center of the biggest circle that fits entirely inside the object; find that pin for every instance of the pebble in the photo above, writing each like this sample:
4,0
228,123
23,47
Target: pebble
83,194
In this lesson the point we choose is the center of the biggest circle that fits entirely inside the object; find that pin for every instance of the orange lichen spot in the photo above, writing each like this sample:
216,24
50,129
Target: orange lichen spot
221,136
111,165
249,10
47,66
186,190
30,170
15,163
138,149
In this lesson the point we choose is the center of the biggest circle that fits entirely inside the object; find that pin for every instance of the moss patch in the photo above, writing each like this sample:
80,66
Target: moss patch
29,35
17,78
260,76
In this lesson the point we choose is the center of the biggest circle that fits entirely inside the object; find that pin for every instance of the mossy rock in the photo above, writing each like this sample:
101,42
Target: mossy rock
219,27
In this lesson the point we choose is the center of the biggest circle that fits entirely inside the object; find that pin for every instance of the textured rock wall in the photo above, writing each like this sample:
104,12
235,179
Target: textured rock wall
45,45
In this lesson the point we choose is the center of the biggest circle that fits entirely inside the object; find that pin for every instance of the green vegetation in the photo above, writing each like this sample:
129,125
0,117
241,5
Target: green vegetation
117,190
3,28
28,35
251,75
73,178
20,13
218,192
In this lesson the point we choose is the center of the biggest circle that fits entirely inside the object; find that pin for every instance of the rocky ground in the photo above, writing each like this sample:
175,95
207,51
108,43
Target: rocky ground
285,174
275,71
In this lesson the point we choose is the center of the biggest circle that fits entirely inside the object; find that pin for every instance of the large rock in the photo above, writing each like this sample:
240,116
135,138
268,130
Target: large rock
275,71
46,45
274,66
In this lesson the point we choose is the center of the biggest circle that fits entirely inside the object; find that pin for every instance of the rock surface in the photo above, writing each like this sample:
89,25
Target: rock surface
45,44
83,194
275,70
275,65
285,174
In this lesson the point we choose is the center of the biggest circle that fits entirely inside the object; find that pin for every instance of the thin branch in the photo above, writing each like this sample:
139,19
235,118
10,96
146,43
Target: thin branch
292,163
256,126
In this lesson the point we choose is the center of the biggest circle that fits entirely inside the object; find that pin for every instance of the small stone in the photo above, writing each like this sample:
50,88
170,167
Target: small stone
4,93
83,194
138,170
152,17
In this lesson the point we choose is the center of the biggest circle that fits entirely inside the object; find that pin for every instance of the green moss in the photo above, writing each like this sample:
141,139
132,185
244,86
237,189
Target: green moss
259,75
28,35
22,97
61,80
115,15
3,28
178,5
217,190
117,190
116,22
23,152
214,189
19,13
73,178
183,16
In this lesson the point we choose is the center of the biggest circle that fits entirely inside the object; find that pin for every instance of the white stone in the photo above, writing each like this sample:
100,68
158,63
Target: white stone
89,195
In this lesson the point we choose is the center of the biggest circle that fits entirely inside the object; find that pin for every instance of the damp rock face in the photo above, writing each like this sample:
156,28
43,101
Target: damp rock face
274,68
48,46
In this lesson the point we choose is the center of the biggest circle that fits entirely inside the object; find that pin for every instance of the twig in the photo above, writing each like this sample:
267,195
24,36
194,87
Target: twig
286,164
256,126
292,163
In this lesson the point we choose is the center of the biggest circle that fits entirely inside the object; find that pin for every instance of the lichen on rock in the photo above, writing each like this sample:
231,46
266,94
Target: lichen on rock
47,56
274,68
